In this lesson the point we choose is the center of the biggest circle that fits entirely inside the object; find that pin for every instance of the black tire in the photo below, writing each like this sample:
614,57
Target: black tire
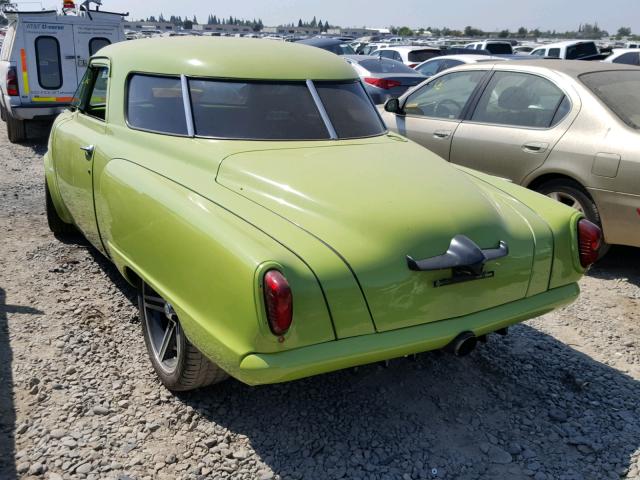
16,129
187,368
3,114
56,224
565,191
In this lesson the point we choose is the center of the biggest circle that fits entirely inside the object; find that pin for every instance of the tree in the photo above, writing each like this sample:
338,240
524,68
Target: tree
314,22
504,34
473,32
195,20
405,32
300,23
624,32
187,25
522,32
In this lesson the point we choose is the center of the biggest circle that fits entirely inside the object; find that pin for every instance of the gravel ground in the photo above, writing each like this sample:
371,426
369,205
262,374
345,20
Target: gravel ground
559,398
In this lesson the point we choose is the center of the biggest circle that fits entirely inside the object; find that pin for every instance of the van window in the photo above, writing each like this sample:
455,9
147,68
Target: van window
96,44
48,62
554,53
154,103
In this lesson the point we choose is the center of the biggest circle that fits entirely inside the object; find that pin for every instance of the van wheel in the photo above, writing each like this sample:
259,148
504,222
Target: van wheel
16,129
179,365
56,224
572,194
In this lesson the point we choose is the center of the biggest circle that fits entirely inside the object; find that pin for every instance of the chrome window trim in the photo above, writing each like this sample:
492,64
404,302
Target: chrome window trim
186,100
323,112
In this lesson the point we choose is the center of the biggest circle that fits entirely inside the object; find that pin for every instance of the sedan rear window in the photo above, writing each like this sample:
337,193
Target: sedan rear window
385,65
620,91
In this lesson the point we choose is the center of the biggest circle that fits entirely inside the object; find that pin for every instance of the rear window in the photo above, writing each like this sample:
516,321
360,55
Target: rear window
581,50
155,104
385,65
350,110
499,48
48,63
280,111
419,56
620,91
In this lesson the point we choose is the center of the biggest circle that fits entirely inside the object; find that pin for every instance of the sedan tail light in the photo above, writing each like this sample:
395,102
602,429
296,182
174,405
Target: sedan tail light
278,302
12,82
382,83
589,241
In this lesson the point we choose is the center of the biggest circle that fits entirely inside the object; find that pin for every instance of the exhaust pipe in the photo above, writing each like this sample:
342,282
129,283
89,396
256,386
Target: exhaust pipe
463,344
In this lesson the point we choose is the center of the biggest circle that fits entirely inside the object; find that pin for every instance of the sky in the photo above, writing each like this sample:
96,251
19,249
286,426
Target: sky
489,15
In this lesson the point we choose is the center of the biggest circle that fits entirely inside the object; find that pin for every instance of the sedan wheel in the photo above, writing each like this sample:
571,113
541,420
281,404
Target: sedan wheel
178,364
572,194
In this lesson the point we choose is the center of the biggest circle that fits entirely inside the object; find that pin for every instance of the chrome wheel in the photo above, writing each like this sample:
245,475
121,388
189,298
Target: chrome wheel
163,330
567,199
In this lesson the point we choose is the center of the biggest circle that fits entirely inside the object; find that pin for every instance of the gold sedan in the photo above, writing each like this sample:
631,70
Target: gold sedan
567,129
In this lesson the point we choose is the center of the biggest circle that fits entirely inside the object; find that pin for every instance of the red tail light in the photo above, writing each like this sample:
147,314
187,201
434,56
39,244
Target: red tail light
12,83
413,65
589,241
382,83
278,302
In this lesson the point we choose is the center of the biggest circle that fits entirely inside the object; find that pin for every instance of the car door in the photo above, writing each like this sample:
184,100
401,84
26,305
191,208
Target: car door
432,113
76,146
514,125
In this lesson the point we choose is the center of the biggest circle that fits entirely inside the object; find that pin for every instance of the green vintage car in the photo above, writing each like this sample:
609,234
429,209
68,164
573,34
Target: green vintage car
276,230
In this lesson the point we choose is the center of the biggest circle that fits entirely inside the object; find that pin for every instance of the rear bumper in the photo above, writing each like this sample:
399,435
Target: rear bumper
620,216
29,112
258,368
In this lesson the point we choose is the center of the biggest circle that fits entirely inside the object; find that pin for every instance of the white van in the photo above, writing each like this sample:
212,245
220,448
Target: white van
43,59
569,50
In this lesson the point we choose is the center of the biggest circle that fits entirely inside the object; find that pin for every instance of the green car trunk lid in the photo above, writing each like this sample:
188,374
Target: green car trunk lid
374,204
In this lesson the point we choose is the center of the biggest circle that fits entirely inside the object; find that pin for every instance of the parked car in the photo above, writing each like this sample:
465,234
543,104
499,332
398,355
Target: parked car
567,129
43,59
384,78
522,50
440,64
332,45
627,56
410,56
570,50
276,230
494,47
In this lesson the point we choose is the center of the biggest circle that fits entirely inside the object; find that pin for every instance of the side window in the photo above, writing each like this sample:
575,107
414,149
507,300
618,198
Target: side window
48,62
97,101
155,104
91,96
96,44
519,99
630,58
554,53
539,53
387,54
430,68
397,56
444,97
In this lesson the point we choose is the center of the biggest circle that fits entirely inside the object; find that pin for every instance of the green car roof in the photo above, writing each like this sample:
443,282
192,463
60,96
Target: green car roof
240,58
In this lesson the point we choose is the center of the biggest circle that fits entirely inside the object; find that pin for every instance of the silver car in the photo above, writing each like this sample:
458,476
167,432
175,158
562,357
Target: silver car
567,129
384,78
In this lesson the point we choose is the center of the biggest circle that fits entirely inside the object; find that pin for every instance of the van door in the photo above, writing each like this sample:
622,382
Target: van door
89,39
46,65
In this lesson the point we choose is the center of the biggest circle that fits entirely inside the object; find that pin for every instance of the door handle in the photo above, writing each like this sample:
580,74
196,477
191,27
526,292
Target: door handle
88,151
535,147
442,133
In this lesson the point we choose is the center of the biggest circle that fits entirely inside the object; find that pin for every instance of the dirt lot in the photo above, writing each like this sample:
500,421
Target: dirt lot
559,398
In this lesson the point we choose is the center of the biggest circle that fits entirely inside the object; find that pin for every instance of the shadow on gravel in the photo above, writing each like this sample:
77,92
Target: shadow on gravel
518,406
38,136
7,409
620,262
